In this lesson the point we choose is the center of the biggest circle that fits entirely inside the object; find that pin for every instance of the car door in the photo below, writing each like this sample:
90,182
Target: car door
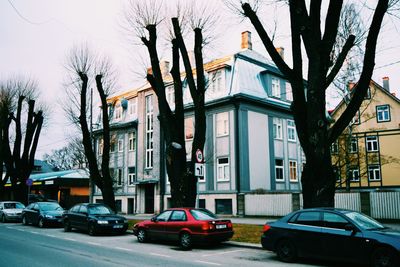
156,229
72,216
340,238
305,233
82,217
34,214
175,223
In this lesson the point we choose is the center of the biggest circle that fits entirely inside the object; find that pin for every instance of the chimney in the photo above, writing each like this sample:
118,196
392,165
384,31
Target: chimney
246,40
281,52
385,82
164,67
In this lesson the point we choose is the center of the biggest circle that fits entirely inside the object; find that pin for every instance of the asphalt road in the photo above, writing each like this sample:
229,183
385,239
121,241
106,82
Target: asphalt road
31,246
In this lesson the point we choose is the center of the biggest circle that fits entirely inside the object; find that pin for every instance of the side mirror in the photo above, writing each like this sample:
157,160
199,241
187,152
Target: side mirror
350,227
153,219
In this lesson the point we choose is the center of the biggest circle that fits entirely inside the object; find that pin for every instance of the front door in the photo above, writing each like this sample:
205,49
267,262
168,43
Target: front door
149,198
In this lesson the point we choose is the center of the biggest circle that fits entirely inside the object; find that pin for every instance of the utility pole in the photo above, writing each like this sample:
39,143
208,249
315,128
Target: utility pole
91,187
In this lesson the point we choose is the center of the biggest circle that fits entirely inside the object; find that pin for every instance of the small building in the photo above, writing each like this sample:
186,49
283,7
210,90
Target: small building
367,154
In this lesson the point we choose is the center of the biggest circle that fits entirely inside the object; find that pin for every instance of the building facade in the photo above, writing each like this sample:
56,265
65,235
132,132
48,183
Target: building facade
367,154
251,141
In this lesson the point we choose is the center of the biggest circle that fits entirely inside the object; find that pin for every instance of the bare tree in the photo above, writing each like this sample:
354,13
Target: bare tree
82,67
309,104
146,19
71,156
20,117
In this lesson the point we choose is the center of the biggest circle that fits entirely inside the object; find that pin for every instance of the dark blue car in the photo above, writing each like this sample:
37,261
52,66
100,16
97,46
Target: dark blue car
333,234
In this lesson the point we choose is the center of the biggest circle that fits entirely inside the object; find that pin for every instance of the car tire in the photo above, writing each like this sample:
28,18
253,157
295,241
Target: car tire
41,223
142,236
3,219
67,226
24,220
92,229
384,257
185,241
286,251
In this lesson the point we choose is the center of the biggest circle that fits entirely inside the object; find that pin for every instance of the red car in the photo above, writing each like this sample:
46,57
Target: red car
186,225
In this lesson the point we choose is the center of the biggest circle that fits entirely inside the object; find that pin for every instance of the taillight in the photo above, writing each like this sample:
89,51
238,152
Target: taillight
207,226
229,225
266,228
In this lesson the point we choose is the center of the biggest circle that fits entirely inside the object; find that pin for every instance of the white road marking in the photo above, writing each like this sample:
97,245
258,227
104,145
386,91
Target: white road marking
34,232
70,239
126,249
93,243
52,236
208,262
160,255
221,253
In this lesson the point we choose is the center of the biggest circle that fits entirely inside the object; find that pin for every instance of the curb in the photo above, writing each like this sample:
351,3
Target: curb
242,244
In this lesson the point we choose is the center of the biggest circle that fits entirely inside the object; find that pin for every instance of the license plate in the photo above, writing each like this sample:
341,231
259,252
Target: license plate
117,226
220,226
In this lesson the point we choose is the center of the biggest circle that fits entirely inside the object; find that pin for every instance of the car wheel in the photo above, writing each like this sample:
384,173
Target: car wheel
24,221
185,240
142,236
3,219
384,257
41,223
92,229
286,251
67,226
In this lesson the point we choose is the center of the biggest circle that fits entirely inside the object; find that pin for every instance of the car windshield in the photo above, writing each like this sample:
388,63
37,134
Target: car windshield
203,214
100,210
364,221
49,206
14,206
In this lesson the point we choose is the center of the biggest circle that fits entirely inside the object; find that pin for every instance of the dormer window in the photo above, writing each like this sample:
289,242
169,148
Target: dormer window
216,81
118,111
133,107
276,88
289,94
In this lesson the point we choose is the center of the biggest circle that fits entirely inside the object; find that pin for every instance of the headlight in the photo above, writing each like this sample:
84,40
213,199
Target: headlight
102,222
48,216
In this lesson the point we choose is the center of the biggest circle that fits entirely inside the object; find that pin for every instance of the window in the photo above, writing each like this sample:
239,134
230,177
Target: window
112,143
223,206
374,173
277,128
309,218
83,209
354,174
289,93
120,145
178,216
100,146
119,177
189,128
383,113
335,148
223,169
291,128
149,132
372,143
216,82
170,96
293,170
222,123
164,216
133,107
332,220
131,175
132,141
368,94
356,118
279,170
276,88
336,171
118,111
353,145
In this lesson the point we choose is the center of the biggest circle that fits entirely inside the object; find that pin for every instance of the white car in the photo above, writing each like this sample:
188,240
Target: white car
11,211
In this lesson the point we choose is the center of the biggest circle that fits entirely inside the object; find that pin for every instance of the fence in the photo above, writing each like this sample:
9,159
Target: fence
379,205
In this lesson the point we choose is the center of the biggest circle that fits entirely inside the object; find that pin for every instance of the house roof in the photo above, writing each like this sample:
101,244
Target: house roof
70,174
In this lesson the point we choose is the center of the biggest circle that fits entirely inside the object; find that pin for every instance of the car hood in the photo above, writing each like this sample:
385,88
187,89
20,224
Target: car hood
12,210
388,232
54,212
109,217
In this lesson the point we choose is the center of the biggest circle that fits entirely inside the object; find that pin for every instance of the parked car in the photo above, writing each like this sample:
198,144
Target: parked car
333,234
42,214
94,218
11,211
186,225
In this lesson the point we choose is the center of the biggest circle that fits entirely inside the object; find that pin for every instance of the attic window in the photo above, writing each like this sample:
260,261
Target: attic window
216,81
276,88
118,111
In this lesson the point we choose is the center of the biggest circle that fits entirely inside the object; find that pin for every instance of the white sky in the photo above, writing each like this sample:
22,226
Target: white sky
36,37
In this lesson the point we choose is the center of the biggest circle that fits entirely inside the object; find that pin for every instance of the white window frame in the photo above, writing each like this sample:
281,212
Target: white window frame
222,124
277,128
289,92
120,145
372,144
118,112
353,149
112,143
120,177
216,82
293,170
223,170
291,129
275,87
132,141
374,171
131,177
356,119
335,148
149,133
354,171
281,169
383,113
133,107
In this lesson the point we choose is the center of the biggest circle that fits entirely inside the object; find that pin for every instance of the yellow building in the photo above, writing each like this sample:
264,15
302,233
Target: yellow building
367,154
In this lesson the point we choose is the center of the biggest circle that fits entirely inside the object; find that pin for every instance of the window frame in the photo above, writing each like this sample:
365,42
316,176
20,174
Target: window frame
275,87
277,128
120,177
149,142
280,168
353,170
296,178
388,119
291,129
131,176
132,141
368,141
375,168
220,117
223,167
351,148
120,145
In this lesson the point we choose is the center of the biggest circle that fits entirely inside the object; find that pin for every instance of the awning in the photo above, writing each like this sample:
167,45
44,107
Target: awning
146,181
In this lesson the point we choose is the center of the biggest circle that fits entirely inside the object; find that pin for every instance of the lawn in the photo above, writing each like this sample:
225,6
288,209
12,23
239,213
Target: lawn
248,233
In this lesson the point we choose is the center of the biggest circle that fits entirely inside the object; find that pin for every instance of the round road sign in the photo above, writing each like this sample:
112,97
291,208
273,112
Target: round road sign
199,156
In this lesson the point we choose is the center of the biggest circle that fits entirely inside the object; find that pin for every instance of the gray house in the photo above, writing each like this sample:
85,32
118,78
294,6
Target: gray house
251,141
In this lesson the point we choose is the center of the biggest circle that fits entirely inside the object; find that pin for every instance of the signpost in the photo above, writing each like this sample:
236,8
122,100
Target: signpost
199,170
29,183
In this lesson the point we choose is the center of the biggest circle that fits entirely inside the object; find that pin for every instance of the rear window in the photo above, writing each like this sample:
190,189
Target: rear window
48,206
13,205
100,210
203,214
309,218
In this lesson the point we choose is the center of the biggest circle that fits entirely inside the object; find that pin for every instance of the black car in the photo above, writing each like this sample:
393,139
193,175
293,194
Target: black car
42,214
333,234
94,218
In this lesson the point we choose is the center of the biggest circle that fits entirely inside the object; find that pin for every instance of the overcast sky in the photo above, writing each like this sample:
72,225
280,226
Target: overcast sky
37,35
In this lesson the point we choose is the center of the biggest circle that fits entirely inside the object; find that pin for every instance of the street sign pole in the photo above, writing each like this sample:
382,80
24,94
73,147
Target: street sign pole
198,171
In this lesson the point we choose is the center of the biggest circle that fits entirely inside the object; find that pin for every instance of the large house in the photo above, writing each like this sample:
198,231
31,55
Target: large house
367,154
251,141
